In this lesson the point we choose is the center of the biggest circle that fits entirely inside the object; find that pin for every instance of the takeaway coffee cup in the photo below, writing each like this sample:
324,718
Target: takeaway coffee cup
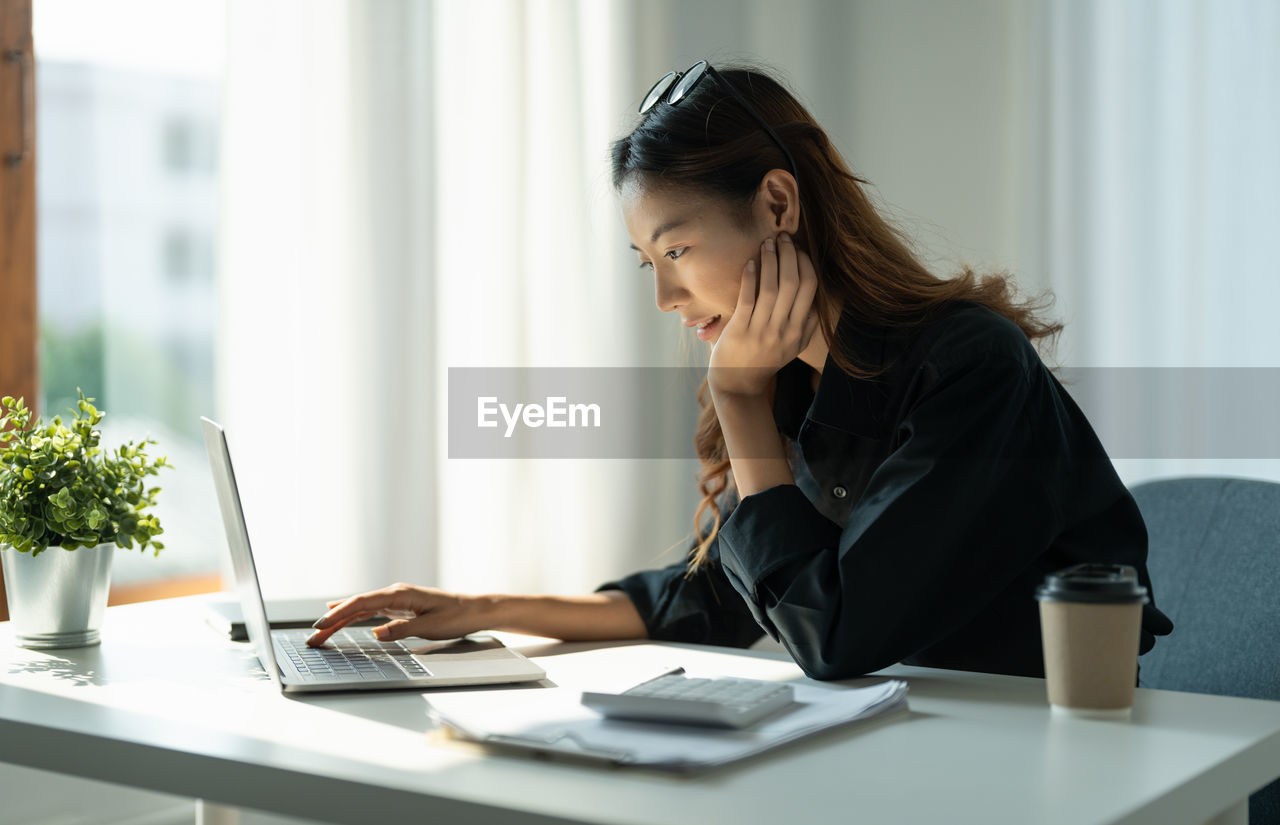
1090,623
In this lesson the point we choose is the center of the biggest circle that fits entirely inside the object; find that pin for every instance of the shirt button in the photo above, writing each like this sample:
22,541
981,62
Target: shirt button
839,492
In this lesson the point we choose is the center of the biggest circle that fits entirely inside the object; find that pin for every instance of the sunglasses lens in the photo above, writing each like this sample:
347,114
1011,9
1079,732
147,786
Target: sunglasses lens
687,82
658,90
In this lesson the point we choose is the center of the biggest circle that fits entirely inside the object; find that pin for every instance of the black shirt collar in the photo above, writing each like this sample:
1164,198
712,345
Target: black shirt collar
854,405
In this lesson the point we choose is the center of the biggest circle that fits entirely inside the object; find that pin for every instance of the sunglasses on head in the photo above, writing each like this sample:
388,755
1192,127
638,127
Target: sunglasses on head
674,87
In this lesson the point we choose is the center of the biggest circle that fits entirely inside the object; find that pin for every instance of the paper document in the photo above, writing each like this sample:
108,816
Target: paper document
553,721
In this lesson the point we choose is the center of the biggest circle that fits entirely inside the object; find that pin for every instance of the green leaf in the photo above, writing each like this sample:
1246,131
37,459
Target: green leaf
59,487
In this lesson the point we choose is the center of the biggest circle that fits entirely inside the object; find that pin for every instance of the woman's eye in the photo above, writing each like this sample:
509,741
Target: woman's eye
672,254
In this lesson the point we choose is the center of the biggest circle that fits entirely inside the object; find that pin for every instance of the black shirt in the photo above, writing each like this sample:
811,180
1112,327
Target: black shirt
929,503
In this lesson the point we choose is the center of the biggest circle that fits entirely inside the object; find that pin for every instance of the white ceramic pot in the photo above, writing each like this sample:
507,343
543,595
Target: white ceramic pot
57,599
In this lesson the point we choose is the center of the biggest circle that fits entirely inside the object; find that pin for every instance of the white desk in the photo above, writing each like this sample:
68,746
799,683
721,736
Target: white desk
164,704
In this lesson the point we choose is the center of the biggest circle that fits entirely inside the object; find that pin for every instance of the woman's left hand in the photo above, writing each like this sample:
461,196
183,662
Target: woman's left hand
766,332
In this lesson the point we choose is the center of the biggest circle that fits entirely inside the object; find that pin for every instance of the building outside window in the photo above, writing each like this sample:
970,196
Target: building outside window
128,106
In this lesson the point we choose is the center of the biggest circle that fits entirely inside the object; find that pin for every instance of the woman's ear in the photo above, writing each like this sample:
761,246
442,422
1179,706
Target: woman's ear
778,202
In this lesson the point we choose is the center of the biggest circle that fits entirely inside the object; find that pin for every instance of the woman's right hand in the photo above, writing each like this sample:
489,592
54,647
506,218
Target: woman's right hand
413,610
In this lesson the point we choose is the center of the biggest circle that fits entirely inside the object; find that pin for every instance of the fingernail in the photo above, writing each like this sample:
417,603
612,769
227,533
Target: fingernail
768,244
320,622
785,237
751,266
380,633
312,637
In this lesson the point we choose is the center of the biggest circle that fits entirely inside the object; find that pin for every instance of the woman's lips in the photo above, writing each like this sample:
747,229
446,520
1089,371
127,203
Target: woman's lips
705,333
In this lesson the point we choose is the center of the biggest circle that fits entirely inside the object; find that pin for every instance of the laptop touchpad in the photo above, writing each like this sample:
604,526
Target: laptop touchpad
453,650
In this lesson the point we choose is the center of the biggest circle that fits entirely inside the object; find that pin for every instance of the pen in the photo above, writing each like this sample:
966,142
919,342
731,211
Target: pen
672,672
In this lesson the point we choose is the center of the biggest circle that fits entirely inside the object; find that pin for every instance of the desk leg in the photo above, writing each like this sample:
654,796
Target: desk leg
1237,814
209,813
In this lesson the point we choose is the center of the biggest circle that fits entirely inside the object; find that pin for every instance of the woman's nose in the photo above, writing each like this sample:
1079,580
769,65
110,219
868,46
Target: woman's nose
669,293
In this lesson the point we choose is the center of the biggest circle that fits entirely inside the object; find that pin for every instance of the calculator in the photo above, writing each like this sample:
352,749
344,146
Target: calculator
674,698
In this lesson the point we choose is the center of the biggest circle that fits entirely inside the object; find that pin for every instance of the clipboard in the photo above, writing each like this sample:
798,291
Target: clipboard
552,724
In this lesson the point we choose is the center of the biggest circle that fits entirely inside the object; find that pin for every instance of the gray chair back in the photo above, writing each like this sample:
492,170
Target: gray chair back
1214,560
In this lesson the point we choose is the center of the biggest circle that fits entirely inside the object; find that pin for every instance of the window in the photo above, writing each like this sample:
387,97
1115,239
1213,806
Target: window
127,187
190,145
188,259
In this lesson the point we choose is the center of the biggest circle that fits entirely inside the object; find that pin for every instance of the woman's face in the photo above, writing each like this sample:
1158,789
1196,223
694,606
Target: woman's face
697,253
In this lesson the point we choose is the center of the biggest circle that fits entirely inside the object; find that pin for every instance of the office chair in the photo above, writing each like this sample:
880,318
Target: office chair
1214,560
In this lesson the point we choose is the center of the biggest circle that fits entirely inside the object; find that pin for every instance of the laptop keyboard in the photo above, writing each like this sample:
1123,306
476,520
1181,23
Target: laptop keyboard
346,656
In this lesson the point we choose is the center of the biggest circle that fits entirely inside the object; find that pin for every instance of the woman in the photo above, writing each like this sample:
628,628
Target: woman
889,468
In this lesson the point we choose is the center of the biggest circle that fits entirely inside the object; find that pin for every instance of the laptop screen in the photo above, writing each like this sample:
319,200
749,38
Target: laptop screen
255,611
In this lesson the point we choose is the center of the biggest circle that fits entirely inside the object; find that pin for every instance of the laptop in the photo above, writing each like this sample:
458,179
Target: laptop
353,658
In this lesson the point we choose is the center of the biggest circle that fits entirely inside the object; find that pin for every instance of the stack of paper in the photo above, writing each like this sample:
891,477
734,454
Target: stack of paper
553,721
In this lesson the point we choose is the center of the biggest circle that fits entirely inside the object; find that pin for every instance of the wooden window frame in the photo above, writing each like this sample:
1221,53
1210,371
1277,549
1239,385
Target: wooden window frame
19,348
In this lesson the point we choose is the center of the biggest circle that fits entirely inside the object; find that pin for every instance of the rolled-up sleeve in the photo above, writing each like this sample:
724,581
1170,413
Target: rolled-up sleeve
702,609
946,523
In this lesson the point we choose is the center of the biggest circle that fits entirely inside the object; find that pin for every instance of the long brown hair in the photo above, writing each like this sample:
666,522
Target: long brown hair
708,144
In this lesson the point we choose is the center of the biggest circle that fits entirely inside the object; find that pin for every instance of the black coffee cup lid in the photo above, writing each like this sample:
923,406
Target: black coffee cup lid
1098,583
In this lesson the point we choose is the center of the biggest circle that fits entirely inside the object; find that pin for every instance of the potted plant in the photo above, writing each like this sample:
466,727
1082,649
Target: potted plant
65,504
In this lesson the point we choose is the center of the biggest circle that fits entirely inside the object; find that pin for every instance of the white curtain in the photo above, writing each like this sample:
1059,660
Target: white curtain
532,271
1157,193
411,187
301,367
414,186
